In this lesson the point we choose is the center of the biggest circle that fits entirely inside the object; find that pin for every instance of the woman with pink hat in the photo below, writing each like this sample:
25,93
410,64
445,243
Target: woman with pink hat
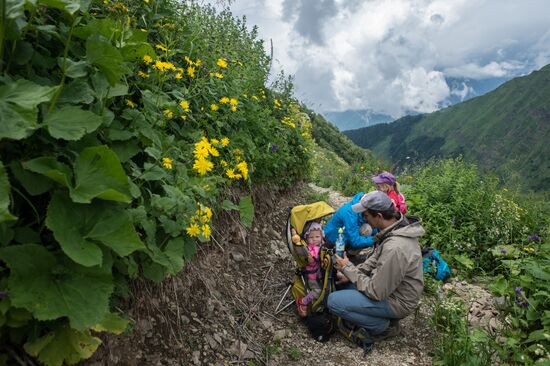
387,183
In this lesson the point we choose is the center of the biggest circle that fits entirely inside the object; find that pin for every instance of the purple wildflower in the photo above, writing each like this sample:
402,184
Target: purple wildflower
273,148
503,251
525,304
534,237
518,290
517,301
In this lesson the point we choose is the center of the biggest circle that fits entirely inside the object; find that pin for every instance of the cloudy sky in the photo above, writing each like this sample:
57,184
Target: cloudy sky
399,56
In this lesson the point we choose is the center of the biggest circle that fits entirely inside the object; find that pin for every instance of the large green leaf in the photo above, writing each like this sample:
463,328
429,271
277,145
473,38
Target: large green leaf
18,112
63,345
5,214
78,228
51,286
77,92
51,168
71,122
98,173
246,211
171,257
15,8
112,323
70,6
34,184
74,69
101,53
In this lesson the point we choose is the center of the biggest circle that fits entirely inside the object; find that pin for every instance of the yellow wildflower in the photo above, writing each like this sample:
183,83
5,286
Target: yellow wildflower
208,212
142,74
225,141
202,149
205,230
185,105
221,63
161,47
213,151
231,174
233,108
218,75
255,98
214,141
243,167
167,162
168,113
223,163
193,230
198,62
233,101
224,100
203,166
183,117
130,104
191,71
214,107
179,75
147,59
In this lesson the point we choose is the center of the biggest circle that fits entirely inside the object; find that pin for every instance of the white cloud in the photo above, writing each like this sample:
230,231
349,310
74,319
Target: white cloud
422,90
474,71
392,56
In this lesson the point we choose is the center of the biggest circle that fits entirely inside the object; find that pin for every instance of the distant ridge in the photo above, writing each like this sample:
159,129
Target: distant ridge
506,131
353,119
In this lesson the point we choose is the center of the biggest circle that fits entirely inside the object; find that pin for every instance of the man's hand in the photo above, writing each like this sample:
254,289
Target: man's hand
341,262
341,278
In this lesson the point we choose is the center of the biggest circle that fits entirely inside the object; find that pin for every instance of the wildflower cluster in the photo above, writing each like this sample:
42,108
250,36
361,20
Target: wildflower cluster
206,150
200,223
288,121
231,102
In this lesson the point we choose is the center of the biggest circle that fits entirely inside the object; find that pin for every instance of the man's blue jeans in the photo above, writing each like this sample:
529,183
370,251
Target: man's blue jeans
356,307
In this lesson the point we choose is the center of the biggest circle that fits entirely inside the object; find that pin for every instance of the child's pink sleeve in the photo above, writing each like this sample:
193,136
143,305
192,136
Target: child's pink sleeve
402,204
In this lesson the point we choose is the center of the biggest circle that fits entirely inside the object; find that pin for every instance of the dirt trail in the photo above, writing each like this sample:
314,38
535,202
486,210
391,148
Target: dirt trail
220,309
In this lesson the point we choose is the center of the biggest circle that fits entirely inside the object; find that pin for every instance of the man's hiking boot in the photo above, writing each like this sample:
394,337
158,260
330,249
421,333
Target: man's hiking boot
392,330
363,339
358,335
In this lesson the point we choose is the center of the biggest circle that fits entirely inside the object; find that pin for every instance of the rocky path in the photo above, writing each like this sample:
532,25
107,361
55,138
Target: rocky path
220,310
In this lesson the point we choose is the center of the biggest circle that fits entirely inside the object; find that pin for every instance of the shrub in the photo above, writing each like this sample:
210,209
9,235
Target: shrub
465,214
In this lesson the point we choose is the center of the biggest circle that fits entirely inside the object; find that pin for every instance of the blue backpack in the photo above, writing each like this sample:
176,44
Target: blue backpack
434,264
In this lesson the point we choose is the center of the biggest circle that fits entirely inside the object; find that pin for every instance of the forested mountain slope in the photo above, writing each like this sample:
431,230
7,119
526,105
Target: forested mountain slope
505,131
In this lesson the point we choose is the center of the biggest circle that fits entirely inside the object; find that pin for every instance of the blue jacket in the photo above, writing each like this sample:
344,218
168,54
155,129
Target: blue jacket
345,216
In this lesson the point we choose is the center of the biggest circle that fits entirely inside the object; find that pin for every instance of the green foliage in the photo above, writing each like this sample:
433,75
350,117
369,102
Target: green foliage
294,353
503,132
465,214
478,226
121,124
523,283
456,343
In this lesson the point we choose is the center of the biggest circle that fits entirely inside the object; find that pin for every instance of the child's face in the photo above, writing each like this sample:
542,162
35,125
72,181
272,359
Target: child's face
314,237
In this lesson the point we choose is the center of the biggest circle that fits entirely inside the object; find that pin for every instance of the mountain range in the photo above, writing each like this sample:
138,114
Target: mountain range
506,131
461,89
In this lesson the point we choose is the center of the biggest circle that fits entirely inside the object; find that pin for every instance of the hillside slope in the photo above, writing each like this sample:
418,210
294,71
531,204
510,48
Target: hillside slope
505,131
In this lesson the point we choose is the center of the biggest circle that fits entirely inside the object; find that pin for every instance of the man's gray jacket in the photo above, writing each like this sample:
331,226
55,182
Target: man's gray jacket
393,271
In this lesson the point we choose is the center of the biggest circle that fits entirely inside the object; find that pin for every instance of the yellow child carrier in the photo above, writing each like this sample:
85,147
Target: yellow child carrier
299,219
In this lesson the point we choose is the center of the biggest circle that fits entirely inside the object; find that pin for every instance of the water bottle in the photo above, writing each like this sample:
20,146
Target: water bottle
340,245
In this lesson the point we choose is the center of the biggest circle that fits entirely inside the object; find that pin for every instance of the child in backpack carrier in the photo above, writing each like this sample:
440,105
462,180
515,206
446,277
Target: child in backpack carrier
314,237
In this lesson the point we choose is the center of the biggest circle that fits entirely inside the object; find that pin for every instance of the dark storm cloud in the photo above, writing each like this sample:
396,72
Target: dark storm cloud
309,17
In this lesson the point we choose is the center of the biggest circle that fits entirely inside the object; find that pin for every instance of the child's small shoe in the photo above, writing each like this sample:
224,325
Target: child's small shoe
301,307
